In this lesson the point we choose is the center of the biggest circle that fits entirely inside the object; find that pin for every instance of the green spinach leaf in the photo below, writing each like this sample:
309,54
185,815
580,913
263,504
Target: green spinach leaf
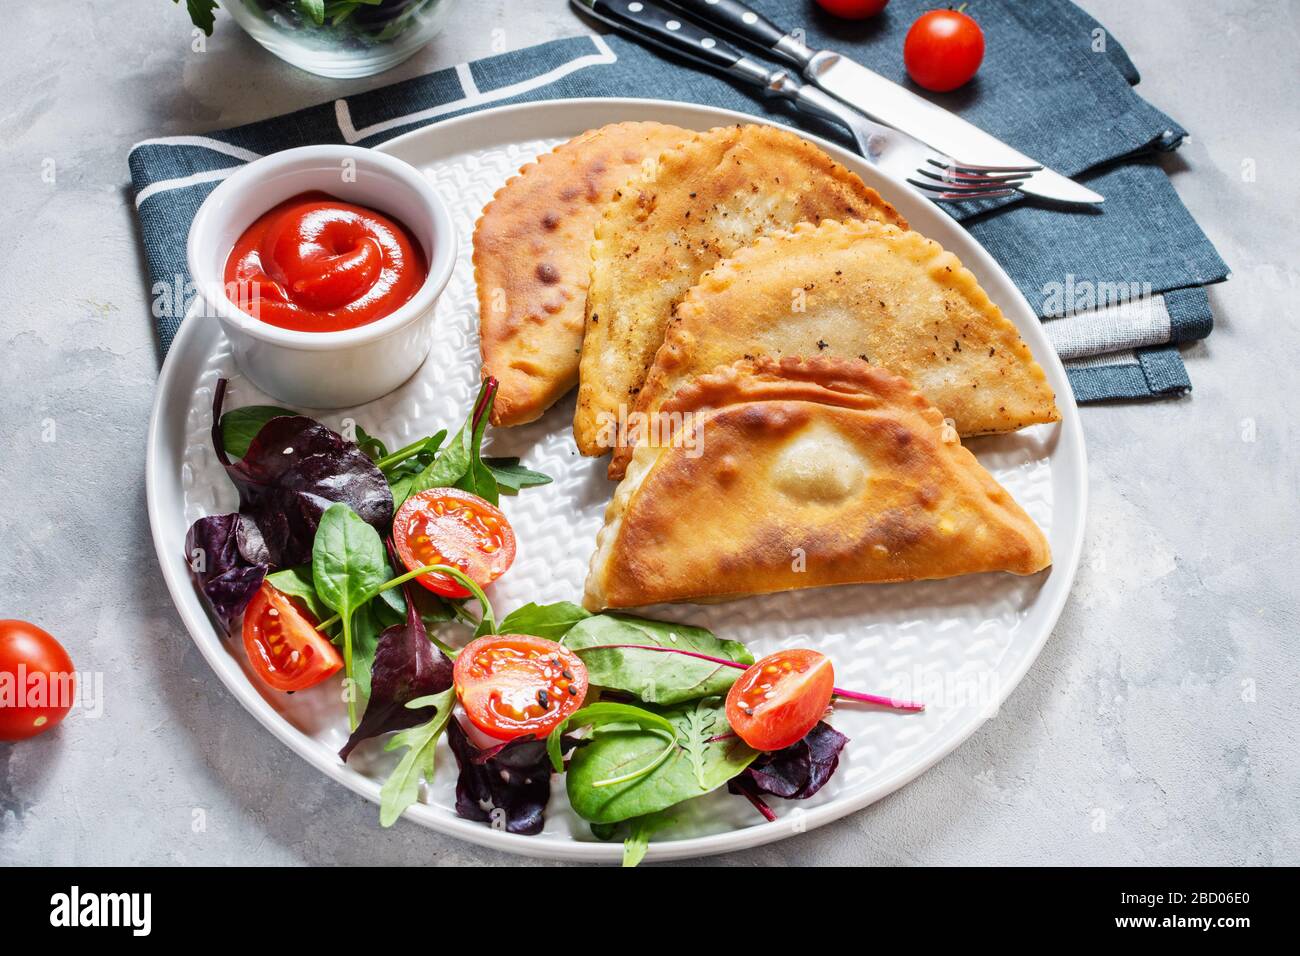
654,677
704,757
402,788
551,621
347,564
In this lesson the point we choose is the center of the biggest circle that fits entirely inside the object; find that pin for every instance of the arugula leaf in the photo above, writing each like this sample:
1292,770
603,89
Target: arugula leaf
512,476
347,563
701,728
637,842
201,13
459,465
402,788
551,621
374,449
654,677
240,426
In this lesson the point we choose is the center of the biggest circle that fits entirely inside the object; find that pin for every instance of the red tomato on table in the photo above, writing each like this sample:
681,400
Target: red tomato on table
853,9
780,698
39,677
943,50
512,684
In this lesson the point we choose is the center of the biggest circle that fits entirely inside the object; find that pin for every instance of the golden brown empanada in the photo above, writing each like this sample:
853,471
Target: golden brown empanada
707,198
857,290
532,261
798,474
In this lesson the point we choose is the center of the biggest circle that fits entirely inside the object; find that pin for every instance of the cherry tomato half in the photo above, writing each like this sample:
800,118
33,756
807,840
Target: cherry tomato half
283,645
512,684
943,50
450,526
853,9
780,698
43,692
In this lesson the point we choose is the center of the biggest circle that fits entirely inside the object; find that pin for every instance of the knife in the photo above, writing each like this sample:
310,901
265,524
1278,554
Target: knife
883,100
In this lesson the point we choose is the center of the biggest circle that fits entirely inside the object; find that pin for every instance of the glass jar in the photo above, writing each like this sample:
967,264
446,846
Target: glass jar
354,38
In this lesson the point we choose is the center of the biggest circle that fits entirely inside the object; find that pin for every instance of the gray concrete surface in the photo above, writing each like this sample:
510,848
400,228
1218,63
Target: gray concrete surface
1158,726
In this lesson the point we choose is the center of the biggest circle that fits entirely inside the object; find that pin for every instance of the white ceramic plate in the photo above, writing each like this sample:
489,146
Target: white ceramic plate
960,645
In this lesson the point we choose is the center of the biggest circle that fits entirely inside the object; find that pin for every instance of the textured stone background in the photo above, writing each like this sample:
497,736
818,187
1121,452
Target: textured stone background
1164,704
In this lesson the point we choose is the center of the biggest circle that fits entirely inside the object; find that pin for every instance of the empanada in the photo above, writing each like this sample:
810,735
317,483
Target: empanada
706,199
532,261
799,474
856,290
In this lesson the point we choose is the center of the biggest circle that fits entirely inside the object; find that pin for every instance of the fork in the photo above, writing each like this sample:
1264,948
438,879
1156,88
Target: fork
941,178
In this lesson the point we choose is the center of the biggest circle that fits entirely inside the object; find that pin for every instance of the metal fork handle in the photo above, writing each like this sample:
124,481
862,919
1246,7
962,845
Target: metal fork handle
661,27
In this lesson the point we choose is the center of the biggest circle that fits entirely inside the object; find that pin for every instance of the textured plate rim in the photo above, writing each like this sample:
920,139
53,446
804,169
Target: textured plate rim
594,112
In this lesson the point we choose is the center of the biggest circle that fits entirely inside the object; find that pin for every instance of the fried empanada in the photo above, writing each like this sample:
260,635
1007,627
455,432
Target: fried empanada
856,290
706,199
532,261
802,473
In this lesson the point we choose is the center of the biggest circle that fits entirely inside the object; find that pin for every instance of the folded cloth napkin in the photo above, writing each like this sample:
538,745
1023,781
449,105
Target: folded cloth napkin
1117,287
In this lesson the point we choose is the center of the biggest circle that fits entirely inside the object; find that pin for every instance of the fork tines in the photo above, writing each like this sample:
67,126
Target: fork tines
961,181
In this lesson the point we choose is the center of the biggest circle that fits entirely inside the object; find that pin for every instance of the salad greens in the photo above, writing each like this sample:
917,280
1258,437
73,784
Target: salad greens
406,667
316,512
347,563
227,577
402,788
291,472
703,756
507,787
601,642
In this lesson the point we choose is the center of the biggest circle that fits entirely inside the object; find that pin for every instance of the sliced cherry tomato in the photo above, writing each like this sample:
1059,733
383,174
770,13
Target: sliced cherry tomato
512,684
853,9
41,694
282,642
454,527
943,50
780,698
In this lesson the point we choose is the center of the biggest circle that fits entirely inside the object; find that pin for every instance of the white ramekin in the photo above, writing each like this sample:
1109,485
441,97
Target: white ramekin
323,369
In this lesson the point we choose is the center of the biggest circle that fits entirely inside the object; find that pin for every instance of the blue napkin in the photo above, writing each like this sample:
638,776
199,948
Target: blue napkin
1118,287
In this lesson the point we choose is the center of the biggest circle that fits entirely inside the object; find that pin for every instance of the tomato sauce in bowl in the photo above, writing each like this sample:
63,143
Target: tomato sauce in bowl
314,263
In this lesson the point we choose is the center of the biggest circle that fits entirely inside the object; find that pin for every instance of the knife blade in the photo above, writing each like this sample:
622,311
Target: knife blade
886,101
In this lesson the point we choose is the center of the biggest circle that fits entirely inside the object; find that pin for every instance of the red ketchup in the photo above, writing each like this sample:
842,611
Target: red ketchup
316,264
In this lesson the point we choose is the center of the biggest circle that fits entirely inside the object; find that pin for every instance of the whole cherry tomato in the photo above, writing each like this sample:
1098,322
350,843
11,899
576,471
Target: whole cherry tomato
40,681
943,50
853,9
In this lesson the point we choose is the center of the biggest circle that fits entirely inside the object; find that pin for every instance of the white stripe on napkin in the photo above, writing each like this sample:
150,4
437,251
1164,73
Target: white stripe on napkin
473,97
1113,328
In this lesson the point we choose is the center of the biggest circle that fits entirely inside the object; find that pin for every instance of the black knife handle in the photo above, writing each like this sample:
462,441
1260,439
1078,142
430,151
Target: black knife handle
655,24
739,20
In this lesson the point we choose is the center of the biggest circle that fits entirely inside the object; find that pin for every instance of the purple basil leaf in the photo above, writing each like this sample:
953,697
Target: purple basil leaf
406,666
228,580
798,771
293,470
515,778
